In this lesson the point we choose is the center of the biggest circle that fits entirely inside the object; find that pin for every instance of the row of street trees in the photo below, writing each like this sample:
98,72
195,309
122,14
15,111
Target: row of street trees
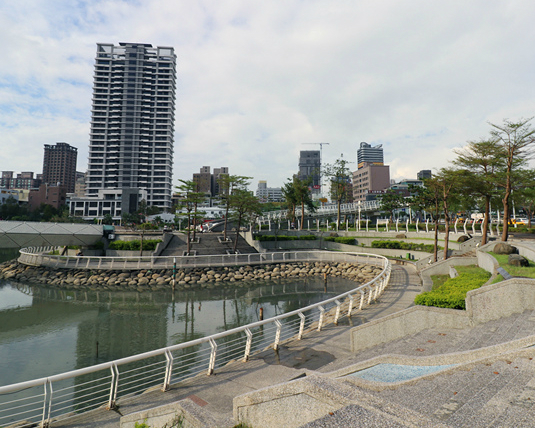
241,206
491,171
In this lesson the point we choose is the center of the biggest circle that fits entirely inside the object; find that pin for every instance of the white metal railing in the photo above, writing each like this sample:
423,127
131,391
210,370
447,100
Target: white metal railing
58,397
36,256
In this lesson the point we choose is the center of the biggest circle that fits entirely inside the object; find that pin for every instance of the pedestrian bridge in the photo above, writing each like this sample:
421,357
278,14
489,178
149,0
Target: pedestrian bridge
20,234
328,210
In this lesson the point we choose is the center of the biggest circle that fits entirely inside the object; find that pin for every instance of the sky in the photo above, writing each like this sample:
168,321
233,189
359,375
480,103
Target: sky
259,81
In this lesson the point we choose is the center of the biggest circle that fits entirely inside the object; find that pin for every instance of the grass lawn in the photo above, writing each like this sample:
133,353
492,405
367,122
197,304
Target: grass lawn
527,272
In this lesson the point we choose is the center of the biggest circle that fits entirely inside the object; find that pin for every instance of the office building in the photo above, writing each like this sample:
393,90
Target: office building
310,168
424,174
369,154
268,194
208,183
23,180
370,180
59,165
132,122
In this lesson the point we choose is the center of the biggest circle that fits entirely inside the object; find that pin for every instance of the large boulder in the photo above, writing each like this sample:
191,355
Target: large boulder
503,248
517,260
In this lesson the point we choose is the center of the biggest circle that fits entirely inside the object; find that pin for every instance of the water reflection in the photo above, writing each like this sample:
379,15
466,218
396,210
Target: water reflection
46,331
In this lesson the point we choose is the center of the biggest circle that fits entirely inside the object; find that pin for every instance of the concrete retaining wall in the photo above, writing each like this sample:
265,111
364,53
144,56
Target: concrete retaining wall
484,304
404,323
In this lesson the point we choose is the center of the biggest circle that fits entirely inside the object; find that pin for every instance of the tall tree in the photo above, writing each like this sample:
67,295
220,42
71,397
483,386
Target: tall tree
288,191
190,199
227,185
339,176
391,201
516,142
481,161
245,207
304,197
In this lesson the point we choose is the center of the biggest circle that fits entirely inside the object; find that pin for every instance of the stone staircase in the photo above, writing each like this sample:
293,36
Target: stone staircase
206,244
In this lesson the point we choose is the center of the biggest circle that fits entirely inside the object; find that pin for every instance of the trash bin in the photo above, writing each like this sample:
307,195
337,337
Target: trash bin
408,256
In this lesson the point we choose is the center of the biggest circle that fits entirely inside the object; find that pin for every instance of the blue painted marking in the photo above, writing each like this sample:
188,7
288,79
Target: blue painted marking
389,373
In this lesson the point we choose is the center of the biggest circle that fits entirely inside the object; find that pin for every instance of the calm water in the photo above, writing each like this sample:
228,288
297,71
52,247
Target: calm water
47,331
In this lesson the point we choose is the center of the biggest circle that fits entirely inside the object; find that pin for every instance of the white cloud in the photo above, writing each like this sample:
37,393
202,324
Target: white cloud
258,80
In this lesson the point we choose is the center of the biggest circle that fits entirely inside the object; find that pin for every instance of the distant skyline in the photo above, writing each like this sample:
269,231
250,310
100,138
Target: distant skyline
257,82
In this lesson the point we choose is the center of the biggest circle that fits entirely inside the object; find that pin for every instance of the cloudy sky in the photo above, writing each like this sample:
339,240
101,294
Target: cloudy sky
258,81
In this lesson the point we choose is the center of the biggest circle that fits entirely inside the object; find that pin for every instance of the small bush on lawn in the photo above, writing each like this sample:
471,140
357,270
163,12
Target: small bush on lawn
452,293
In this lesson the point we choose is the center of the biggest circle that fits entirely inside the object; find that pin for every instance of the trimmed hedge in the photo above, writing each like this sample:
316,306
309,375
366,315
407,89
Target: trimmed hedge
400,245
452,293
341,240
285,238
148,245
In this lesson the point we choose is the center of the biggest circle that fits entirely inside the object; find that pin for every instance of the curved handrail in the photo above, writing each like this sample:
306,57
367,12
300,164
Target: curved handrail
367,292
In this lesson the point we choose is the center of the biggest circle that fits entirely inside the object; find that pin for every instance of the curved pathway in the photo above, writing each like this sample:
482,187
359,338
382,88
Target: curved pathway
323,351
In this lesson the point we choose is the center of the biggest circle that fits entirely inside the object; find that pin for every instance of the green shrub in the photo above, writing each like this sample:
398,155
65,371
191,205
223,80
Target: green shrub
400,245
148,245
275,238
307,237
452,293
341,240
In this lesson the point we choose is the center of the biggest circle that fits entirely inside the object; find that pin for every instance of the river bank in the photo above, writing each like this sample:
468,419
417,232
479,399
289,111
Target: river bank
160,279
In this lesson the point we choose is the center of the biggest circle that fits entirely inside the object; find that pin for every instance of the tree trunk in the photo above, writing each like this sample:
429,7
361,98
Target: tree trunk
486,221
435,249
302,215
237,233
506,214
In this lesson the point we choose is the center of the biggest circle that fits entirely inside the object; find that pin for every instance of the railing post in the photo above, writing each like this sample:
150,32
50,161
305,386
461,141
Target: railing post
301,325
211,364
277,335
337,314
46,404
168,371
370,292
322,315
248,345
350,306
113,387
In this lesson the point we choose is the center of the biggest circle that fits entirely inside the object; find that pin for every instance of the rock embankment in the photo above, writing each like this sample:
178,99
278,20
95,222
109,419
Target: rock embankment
147,280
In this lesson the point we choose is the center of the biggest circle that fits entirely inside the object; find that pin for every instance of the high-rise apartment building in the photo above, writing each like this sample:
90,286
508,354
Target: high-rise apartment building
59,165
132,122
370,154
208,183
310,167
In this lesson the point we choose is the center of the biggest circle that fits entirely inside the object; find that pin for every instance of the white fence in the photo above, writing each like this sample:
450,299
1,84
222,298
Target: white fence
58,397
39,256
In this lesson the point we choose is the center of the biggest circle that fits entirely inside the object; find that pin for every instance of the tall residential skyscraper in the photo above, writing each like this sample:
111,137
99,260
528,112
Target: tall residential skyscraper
370,154
132,122
59,165
310,167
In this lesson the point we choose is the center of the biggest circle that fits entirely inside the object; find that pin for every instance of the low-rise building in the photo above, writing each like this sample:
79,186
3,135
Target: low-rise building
268,194
114,202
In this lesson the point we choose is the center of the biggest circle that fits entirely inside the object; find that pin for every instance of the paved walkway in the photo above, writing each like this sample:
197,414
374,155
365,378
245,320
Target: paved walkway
317,351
